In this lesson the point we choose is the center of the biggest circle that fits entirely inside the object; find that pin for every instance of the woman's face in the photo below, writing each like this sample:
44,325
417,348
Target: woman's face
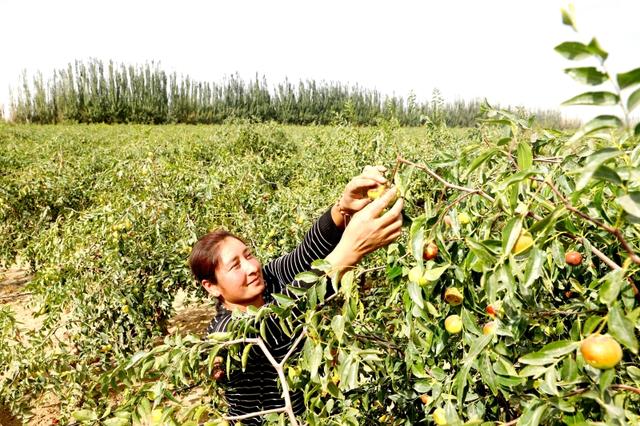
239,281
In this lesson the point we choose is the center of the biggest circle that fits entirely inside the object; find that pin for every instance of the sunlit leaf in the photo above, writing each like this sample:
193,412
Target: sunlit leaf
315,360
601,122
476,347
630,78
283,300
587,75
593,98
245,355
568,17
307,277
415,292
574,50
606,173
634,100
417,239
337,324
610,289
481,159
510,234
622,329
532,413
630,203
525,157
593,163
435,273
597,50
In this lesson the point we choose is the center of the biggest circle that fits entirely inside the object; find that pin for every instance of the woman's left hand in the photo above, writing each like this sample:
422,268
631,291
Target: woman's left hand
354,197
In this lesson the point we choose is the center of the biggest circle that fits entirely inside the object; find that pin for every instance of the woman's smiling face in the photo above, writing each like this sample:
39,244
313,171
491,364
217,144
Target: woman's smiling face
239,281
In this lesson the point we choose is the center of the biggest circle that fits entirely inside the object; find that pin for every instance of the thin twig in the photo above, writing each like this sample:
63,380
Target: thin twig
614,231
626,387
446,183
555,160
288,407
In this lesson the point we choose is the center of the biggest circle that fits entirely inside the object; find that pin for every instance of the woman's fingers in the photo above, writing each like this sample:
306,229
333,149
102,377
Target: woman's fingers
394,214
374,169
376,207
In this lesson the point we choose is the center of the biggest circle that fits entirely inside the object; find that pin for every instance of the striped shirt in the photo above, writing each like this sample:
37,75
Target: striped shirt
257,389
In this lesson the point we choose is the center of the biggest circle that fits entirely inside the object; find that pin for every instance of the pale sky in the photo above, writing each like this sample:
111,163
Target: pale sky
498,49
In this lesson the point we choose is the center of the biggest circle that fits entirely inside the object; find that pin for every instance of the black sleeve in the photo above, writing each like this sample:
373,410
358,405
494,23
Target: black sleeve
318,242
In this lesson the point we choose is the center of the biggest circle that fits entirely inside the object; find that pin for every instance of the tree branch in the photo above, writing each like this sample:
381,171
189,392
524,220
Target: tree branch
614,231
444,182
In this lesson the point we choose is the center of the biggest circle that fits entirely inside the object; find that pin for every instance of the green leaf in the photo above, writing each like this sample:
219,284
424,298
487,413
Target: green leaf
629,78
550,385
422,386
567,17
245,355
593,98
337,324
534,371
283,300
315,360
607,174
516,178
417,240
630,203
559,348
307,277
115,421
435,273
510,234
532,414
536,358
622,329
592,164
634,100
606,379
574,50
525,156
611,288
533,271
346,282
488,376
597,50
636,132
84,415
137,357
601,122
321,265
415,292
587,75
480,250
481,159
476,347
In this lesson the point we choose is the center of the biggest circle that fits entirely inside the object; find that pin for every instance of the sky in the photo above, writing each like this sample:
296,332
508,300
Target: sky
501,50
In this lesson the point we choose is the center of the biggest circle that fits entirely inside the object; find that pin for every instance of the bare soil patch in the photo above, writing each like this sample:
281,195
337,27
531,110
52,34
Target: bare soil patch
192,317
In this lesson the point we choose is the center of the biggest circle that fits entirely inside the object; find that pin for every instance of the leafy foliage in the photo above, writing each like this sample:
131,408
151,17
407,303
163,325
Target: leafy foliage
95,92
503,202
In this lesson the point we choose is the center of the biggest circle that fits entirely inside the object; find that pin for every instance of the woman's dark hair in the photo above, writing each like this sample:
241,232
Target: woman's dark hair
204,255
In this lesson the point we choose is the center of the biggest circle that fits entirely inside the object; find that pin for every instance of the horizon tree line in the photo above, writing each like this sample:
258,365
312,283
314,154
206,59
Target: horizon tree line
96,92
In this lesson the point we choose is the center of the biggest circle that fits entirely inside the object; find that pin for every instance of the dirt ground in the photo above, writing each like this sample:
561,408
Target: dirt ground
190,317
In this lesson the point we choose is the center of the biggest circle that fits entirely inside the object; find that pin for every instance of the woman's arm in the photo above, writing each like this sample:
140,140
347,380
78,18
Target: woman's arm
318,242
325,234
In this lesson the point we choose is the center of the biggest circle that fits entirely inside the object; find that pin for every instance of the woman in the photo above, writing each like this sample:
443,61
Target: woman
343,235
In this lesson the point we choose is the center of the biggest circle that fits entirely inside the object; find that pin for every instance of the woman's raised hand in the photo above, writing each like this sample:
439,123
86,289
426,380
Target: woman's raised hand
354,197
369,230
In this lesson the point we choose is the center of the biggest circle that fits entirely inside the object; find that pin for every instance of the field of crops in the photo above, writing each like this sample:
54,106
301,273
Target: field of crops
510,298
106,215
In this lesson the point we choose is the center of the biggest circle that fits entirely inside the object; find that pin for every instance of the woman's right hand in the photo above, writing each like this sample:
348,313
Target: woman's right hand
369,230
